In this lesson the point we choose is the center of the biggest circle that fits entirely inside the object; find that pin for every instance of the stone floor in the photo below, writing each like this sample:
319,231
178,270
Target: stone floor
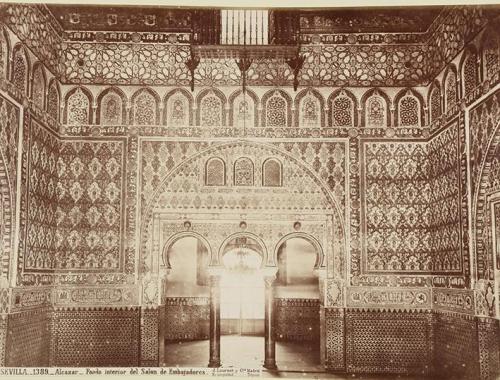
294,360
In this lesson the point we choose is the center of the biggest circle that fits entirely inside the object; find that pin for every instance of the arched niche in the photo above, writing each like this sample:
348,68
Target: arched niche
52,105
111,107
145,107
211,108
215,172
376,109
272,172
78,106
343,109
4,53
20,68
38,85
450,87
243,109
276,109
434,102
178,108
469,70
409,109
309,109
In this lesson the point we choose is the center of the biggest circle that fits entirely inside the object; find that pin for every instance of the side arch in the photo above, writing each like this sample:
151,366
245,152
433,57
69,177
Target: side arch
20,80
180,235
320,255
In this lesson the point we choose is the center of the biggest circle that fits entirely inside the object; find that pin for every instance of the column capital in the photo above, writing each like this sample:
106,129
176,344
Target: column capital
320,273
269,272
215,271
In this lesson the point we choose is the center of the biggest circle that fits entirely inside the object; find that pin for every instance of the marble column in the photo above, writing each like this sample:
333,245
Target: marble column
270,342
214,360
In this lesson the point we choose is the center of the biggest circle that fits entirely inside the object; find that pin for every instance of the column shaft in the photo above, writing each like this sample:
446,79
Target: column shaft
270,343
214,322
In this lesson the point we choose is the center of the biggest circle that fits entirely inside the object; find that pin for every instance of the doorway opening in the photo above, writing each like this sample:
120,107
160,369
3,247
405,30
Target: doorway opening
242,304
297,306
187,303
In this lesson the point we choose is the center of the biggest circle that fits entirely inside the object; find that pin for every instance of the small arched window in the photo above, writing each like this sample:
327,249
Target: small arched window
271,173
470,73
145,107
276,111
20,70
111,109
450,85
215,172
342,111
376,111
243,172
211,111
435,103
78,108
38,87
53,101
178,110
309,112
409,111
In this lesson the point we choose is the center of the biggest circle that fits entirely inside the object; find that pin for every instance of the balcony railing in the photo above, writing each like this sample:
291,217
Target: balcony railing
245,27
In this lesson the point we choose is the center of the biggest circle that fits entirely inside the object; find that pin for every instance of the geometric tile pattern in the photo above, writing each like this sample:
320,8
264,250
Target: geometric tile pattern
456,343
90,205
335,339
489,348
96,337
329,65
484,167
42,185
444,216
150,328
186,318
296,319
28,339
39,32
449,33
397,195
9,132
383,342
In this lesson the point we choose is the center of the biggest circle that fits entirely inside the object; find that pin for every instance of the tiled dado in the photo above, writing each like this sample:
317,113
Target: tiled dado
27,335
96,337
440,343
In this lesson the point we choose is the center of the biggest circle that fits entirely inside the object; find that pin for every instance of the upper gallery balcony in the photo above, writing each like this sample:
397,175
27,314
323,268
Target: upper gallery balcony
245,33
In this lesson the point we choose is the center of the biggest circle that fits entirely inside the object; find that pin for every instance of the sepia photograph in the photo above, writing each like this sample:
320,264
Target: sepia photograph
265,189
